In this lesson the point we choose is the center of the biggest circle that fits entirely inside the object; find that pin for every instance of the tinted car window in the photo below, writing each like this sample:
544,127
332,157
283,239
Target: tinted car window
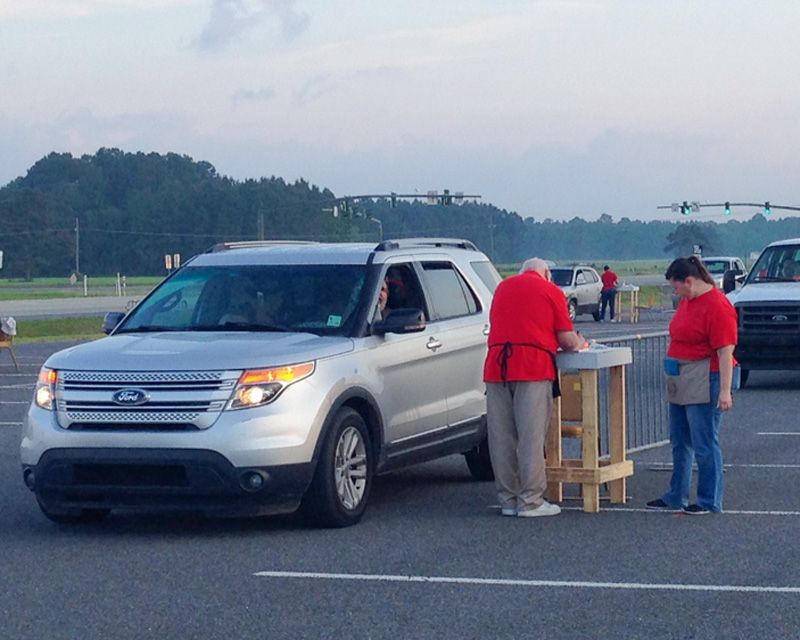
450,294
488,274
562,277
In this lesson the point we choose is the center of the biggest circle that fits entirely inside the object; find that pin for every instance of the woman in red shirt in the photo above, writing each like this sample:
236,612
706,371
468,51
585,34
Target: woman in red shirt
703,334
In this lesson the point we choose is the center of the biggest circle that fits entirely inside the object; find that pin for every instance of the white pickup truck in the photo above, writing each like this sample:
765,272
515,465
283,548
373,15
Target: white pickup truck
768,308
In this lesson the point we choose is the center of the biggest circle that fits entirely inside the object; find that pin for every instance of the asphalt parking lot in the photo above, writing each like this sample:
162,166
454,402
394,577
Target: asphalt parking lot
431,558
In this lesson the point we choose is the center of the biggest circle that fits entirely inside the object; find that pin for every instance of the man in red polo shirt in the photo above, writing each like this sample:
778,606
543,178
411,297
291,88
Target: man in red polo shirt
529,321
608,294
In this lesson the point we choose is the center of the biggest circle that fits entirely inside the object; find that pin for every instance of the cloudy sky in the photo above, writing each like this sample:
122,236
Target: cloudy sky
551,108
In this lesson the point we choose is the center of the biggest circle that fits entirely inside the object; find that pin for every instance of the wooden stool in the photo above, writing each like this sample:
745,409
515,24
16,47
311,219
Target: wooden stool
5,343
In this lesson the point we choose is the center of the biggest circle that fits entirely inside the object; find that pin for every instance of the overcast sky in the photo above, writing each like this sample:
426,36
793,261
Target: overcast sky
551,108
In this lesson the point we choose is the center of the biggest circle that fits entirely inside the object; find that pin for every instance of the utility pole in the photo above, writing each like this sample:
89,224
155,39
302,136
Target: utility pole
260,220
77,247
491,235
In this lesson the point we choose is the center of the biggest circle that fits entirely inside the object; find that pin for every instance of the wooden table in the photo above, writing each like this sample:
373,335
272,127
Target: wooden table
590,471
627,302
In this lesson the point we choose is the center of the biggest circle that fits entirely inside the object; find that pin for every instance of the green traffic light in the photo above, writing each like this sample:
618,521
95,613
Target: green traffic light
727,208
767,208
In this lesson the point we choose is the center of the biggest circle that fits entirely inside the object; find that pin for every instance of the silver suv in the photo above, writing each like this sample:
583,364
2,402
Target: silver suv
261,377
581,286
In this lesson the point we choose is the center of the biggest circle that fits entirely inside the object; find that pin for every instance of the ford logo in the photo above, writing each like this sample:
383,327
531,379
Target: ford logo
130,397
780,318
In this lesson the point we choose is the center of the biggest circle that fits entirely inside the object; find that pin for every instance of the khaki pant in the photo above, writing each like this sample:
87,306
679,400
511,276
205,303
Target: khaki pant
518,416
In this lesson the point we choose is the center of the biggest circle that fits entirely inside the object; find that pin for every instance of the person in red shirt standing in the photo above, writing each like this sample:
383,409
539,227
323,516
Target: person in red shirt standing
703,334
608,294
529,321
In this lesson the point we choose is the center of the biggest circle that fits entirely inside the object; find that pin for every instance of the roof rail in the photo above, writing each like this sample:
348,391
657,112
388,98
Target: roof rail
249,244
404,243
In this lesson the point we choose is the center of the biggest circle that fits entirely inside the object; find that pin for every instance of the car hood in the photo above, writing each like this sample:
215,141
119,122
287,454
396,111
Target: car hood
767,292
197,351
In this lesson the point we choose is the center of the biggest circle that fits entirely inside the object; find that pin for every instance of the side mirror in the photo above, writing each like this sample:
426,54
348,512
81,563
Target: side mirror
729,281
400,321
111,320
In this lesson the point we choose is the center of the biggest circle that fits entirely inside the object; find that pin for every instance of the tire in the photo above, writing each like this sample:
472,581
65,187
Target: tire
338,493
572,307
596,314
78,516
479,462
744,374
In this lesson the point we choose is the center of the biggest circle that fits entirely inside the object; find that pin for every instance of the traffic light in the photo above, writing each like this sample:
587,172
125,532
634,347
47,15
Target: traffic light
727,208
686,209
393,199
767,208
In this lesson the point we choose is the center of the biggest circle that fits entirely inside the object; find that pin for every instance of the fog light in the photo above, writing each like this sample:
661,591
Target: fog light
252,481
29,478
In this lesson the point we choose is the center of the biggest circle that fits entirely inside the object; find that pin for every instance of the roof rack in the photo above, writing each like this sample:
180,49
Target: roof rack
250,244
404,243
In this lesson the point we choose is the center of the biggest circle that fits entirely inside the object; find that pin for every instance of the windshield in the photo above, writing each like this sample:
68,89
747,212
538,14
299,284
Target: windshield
716,267
319,299
562,277
777,264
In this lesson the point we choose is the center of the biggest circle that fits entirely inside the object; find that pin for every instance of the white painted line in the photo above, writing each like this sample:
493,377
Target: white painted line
17,386
657,466
504,582
4,402
725,512
10,424
778,433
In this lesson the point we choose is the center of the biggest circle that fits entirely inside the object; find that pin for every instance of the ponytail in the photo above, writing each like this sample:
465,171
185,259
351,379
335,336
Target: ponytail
682,268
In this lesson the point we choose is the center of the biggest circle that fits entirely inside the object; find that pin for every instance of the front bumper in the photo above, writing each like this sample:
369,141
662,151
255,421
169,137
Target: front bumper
170,479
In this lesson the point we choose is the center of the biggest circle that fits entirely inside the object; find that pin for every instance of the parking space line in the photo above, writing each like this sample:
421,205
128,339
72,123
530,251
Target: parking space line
17,386
725,512
667,466
505,582
10,424
778,433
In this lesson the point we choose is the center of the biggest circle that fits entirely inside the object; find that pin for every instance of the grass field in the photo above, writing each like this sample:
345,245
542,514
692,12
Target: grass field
52,329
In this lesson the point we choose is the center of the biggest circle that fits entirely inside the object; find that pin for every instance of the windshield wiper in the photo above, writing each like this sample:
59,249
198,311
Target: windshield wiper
771,279
148,329
238,326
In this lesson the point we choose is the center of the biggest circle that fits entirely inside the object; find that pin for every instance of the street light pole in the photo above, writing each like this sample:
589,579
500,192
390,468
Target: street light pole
380,228
77,247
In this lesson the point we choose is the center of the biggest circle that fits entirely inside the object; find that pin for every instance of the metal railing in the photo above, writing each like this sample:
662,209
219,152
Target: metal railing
645,396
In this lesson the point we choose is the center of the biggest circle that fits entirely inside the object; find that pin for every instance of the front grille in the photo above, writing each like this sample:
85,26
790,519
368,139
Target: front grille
780,318
85,400
132,426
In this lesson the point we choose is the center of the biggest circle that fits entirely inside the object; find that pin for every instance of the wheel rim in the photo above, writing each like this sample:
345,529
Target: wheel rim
350,468
573,311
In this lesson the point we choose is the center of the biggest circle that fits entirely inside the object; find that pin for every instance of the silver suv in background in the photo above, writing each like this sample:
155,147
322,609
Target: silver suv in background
260,377
581,286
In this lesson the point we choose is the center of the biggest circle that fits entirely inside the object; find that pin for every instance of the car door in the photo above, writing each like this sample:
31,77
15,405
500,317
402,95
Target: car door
582,290
408,369
459,321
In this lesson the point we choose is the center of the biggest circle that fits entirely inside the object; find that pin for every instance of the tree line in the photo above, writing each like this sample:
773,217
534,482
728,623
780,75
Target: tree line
130,209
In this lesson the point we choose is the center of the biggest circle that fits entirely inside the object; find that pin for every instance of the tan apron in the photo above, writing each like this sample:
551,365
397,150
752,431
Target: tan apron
691,385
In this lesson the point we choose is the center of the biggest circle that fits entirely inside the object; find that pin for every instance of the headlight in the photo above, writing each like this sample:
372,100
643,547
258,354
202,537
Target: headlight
261,386
45,394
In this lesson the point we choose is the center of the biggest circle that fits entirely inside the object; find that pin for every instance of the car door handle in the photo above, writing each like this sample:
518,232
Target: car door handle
433,344
486,329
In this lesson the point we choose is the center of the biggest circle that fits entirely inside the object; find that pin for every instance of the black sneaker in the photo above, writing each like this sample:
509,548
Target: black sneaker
660,505
696,510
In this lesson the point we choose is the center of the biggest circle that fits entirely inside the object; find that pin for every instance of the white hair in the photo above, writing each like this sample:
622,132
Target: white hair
534,264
